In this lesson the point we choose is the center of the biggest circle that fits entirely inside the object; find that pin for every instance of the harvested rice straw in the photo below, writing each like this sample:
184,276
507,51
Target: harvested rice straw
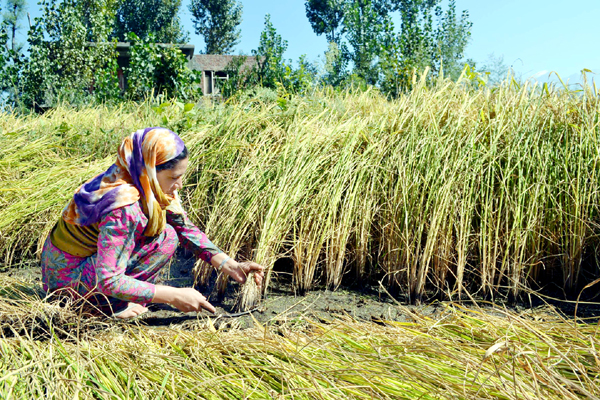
249,295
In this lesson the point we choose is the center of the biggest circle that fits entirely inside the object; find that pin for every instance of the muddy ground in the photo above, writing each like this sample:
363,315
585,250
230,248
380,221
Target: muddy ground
282,305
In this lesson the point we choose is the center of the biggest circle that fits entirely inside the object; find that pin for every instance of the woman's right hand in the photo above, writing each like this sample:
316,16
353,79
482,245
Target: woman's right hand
184,299
189,299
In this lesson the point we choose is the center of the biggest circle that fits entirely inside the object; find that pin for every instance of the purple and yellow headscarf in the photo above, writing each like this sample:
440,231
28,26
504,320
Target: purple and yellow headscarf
131,178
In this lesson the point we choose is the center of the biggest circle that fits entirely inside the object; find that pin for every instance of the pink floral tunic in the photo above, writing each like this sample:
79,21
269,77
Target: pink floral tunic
127,262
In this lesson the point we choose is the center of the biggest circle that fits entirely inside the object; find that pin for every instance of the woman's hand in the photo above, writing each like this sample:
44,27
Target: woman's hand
240,270
184,299
189,299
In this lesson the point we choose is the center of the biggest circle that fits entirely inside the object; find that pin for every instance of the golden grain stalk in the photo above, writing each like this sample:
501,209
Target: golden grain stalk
249,295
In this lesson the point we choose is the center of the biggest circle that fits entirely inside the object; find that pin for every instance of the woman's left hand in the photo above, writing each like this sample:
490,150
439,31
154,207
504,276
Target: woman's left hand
240,271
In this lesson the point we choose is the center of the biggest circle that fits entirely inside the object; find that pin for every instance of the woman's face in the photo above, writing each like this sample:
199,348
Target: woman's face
170,180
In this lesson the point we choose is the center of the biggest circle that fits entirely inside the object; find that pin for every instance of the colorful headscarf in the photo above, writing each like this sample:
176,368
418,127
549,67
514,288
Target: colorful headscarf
131,177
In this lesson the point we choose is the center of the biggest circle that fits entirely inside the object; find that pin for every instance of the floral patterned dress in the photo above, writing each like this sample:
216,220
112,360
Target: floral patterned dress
127,263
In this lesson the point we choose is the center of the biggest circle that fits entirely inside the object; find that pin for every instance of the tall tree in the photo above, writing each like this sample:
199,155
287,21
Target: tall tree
355,26
217,21
325,17
363,24
61,63
379,53
3,56
271,66
159,18
15,11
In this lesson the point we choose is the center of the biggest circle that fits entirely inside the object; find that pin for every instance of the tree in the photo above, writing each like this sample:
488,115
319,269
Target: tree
11,51
158,69
217,21
325,17
378,53
269,55
335,65
3,57
363,25
68,48
429,37
146,17
15,12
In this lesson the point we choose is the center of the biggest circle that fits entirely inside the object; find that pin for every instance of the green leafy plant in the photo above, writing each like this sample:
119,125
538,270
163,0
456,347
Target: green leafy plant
157,69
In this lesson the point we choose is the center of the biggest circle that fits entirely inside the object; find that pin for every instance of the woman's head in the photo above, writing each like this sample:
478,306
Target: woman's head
149,167
170,173
142,152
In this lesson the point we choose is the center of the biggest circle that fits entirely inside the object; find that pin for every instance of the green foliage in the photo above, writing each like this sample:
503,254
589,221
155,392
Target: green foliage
68,45
158,69
106,87
72,59
239,76
300,79
150,17
217,21
3,55
335,65
363,24
269,56
429,37
325,17
11,18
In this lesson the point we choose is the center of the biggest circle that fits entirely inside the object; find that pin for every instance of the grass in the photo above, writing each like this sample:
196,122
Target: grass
457,353
443,190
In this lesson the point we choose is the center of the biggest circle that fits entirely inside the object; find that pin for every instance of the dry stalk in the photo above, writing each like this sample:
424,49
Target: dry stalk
249,295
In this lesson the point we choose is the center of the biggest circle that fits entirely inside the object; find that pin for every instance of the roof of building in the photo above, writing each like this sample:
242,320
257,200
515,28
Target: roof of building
218,62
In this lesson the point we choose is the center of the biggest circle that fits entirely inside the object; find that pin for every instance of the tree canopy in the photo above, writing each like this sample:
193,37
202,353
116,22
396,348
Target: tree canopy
159,18
15,12
365,35
217,21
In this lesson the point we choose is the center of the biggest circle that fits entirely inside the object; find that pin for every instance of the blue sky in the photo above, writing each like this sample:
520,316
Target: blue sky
534,36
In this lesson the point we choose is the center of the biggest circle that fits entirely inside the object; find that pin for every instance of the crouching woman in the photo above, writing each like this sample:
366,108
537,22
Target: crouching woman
122,227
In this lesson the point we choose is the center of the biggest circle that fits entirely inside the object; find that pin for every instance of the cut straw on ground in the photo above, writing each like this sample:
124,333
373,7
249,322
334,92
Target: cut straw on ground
456,353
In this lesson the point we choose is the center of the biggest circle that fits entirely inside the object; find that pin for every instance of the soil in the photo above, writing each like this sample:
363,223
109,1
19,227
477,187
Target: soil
282,305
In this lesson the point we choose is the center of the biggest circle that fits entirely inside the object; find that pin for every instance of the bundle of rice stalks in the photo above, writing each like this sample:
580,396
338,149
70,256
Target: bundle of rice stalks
249,295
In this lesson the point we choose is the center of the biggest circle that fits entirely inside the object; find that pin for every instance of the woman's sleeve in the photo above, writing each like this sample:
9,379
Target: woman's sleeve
192,238
116,242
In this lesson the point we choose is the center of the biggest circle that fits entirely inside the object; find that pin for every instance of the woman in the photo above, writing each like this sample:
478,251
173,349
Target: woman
122,227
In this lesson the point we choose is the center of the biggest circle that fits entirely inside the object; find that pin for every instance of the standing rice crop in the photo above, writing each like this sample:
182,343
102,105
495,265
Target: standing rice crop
445,189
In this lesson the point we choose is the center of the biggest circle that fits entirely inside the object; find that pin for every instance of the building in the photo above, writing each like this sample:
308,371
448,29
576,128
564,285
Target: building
214,67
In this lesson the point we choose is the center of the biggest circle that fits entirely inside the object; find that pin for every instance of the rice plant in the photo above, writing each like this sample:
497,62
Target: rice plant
444,190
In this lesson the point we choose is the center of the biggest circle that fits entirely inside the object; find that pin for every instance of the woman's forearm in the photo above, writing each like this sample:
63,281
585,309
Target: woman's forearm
164,294
217,261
